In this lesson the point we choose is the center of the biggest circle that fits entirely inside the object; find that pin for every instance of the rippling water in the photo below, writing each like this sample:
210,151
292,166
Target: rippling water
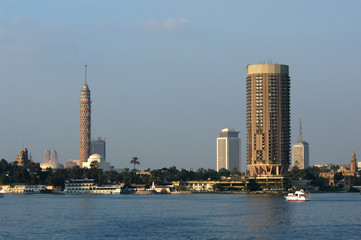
195,216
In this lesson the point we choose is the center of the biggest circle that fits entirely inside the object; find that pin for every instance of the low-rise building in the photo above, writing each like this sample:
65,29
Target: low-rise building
210,186
72,163
97,161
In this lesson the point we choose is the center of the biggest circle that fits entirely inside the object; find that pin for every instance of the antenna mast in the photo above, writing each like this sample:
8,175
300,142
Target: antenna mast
300,134
85,74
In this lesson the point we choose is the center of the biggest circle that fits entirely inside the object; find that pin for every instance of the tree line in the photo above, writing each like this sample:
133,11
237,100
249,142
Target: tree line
11,174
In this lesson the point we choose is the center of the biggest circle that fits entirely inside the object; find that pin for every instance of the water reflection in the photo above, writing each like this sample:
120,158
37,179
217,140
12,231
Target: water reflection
267,214
204,216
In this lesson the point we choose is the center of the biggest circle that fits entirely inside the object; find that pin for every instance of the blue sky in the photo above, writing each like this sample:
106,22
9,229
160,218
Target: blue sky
166,76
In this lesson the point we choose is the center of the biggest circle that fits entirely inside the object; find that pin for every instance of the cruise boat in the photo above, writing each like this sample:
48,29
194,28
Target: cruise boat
300,195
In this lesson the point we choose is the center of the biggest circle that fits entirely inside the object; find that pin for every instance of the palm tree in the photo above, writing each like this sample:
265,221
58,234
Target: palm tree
134,161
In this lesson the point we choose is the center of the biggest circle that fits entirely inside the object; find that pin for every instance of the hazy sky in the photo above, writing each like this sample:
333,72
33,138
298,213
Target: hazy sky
166,76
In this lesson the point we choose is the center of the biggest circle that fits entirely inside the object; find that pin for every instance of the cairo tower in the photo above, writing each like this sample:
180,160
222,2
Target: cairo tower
268,119
85,117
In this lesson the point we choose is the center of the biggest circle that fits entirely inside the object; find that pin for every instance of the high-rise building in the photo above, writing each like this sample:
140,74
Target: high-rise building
46,156
228,150
353,164
98,146
53,156
85,117
50,156
300,152
268,119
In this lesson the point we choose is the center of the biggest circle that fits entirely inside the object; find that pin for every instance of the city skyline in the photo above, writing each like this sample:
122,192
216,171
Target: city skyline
163,74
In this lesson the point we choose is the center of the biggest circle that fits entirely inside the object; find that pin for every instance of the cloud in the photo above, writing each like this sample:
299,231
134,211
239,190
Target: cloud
169,25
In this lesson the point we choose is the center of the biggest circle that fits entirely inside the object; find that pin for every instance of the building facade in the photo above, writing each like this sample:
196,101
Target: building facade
53,156
268,119
50,156
46,156
300,152
228,150
72,163
22,159
85,122
353,163
98,146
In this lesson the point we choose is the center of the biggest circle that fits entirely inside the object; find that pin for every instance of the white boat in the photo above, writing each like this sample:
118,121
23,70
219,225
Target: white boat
300,195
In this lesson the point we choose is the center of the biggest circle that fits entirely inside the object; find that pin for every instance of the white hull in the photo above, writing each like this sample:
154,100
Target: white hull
299,196
297,199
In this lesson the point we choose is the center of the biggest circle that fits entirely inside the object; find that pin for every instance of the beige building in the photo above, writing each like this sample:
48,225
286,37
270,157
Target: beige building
85,126
268,119
22,158
72,163
228,150
300,152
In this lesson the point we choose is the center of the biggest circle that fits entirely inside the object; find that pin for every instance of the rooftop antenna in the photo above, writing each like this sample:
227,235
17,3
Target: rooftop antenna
300,134
85,73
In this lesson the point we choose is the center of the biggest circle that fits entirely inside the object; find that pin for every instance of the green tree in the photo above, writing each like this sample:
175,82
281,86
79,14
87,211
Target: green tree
76,172
134,161
224,172
21,176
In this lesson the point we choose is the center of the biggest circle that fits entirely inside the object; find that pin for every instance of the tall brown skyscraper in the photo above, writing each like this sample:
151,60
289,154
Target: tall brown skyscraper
85,117
268,119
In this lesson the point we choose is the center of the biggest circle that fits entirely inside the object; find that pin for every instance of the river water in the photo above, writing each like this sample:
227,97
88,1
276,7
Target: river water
194,216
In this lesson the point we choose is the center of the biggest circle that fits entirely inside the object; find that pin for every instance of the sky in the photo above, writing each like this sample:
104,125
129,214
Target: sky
167,76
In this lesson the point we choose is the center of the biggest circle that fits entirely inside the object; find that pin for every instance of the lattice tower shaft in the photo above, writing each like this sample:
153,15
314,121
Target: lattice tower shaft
85,122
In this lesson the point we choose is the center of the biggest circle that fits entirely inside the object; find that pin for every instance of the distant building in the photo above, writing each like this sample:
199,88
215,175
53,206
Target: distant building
268,119
300,152
328,177
97,161
353,163
51,160
323,165
349,172
22,158
46,156
351,176
98,146
228,150
53,156
72,163
50,156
